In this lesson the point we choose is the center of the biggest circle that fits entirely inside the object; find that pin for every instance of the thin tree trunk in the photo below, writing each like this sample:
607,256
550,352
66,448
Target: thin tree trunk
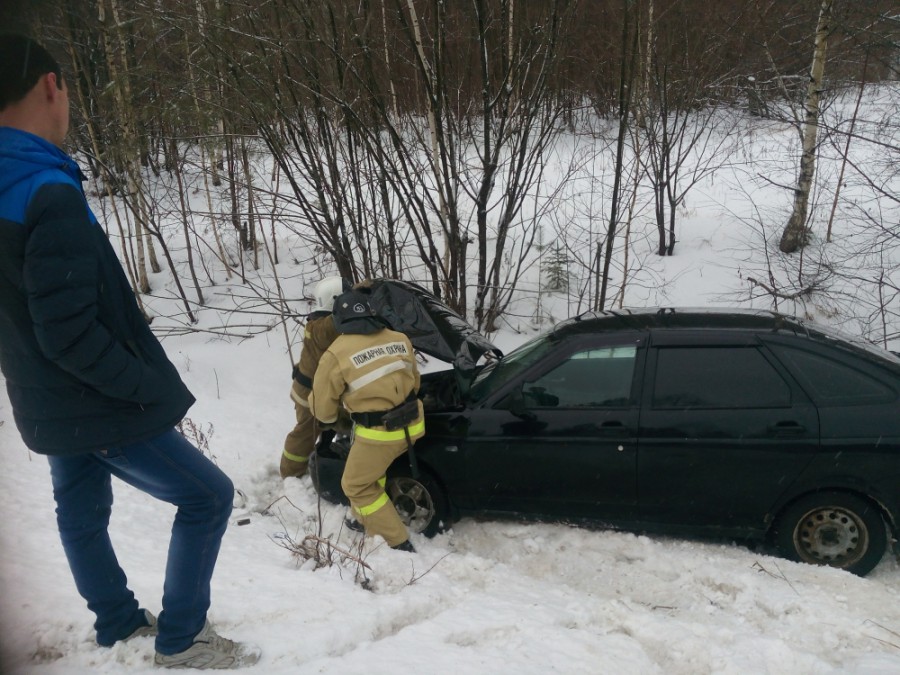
395,108
646,73
235,206
276,187
837,190
251,210
127,148
796,232
133,143
620,299
213,216
626,82
185,219
431,89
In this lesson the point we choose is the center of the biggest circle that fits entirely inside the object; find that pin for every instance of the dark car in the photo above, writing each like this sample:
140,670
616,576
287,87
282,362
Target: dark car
748,425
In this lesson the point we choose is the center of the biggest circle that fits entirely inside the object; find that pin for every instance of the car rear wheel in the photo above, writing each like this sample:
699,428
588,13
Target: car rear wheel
832,528
420,502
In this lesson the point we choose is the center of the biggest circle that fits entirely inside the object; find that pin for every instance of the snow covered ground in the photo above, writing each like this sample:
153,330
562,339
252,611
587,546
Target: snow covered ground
486,597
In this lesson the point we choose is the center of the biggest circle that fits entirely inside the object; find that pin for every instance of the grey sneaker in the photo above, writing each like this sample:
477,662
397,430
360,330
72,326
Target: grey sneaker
210,651
150,629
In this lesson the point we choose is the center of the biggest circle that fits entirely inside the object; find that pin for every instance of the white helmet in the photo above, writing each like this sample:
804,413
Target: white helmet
326,291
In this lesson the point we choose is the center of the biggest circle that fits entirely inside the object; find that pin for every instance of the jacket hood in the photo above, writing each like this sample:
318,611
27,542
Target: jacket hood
431,326
22,155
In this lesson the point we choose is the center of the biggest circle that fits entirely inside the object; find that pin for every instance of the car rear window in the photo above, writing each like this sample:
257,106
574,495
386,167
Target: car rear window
831,334
831,382
717,377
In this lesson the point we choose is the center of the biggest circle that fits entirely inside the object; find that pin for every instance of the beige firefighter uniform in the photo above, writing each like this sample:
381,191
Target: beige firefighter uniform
370,374
300,442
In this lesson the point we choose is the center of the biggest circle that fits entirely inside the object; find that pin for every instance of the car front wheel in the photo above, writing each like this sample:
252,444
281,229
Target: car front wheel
420,502
832,528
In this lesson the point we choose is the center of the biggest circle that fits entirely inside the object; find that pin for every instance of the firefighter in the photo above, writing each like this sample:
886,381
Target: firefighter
370,371
317,337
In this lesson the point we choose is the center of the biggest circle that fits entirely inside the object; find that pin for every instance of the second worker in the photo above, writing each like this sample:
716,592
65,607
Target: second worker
371,371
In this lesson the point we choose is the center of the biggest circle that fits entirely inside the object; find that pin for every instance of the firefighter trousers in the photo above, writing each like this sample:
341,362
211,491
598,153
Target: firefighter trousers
301,440
363,483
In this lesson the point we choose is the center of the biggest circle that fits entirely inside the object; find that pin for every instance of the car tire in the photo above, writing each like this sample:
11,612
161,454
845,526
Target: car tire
420,502
832,528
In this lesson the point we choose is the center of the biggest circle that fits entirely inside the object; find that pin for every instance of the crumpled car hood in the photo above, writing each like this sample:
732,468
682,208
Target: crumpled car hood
432,327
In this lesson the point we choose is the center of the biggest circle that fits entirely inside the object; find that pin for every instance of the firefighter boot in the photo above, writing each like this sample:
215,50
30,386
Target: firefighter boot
405,546
291,467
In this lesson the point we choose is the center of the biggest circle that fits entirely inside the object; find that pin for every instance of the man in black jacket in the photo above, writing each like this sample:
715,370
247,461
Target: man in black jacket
90,385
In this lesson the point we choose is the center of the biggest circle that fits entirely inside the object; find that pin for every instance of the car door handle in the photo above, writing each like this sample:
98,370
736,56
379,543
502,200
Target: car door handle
613,428
787,428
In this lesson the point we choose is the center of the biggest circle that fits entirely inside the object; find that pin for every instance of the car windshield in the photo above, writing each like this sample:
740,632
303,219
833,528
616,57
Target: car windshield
495,373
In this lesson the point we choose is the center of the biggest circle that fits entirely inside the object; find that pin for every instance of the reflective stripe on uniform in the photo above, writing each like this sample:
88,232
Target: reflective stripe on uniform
373,375
383,435
298,400
374,506
295,458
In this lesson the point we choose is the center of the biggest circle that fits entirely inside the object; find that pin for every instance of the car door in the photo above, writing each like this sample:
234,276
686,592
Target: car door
724,431
859,403
560,440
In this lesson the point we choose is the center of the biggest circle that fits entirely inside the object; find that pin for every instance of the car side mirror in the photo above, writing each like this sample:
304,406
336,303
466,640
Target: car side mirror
515,403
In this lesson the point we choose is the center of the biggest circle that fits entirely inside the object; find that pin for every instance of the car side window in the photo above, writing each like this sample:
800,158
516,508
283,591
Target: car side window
591,378
831,382
717,377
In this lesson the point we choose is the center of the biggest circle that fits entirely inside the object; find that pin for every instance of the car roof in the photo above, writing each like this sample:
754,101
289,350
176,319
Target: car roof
645,318
715,318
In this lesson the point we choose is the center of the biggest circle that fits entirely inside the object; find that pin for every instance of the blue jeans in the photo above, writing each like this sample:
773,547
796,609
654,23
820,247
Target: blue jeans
169,468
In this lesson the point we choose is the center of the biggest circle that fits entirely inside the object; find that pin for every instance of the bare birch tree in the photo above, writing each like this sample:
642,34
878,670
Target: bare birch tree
796,232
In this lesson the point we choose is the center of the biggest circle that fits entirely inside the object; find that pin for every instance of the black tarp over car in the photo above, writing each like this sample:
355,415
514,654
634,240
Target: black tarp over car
431,326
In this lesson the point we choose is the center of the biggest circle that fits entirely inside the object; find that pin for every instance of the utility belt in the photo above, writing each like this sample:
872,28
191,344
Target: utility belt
398,417
301,378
